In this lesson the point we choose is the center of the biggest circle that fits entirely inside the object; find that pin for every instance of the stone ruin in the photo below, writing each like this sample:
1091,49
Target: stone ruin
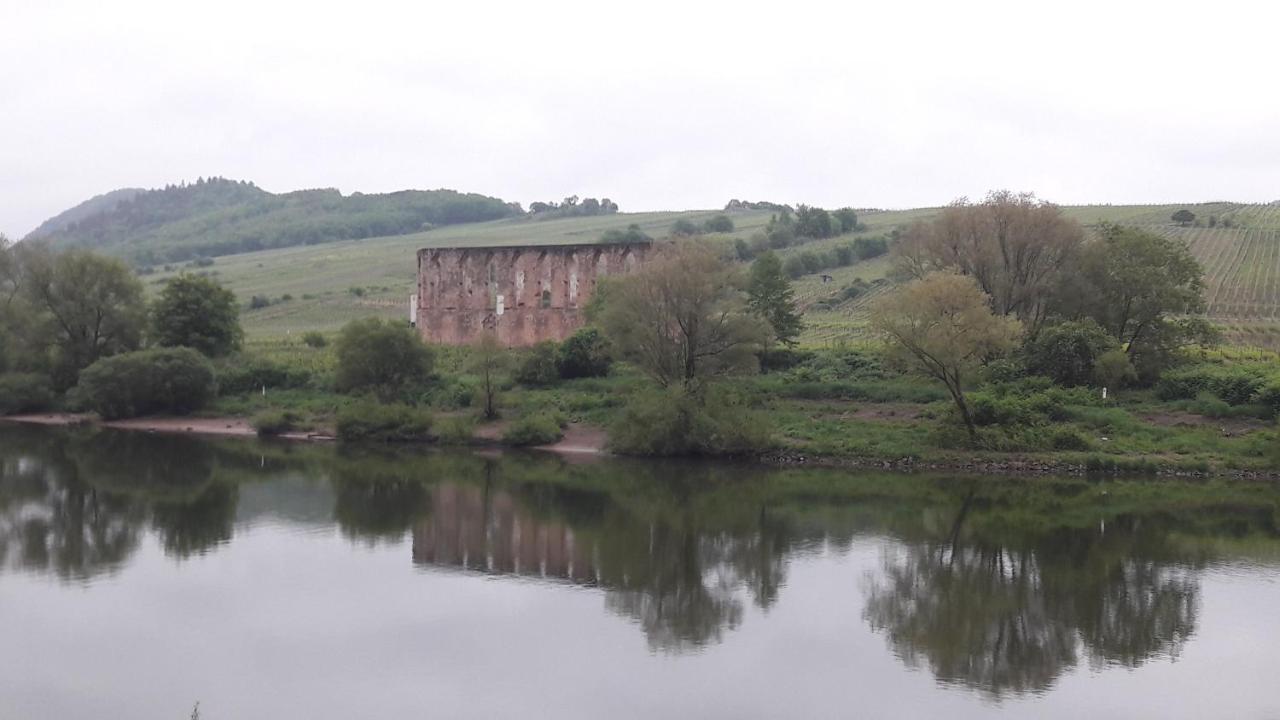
523,294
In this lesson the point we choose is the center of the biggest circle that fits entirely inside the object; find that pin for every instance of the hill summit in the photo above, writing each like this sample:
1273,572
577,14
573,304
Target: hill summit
217,216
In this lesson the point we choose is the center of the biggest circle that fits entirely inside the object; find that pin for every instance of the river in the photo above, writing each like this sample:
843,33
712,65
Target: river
142,574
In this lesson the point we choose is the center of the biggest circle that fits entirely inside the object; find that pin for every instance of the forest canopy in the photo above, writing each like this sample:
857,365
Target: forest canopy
217,216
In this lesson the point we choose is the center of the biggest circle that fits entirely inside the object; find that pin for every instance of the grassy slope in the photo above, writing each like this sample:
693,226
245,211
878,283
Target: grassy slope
1243,267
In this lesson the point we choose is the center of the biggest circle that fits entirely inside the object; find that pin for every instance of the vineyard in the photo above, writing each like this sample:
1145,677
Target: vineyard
323,286
1241,262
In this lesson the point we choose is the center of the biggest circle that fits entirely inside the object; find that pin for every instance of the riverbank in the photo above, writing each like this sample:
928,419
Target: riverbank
578,439
586,440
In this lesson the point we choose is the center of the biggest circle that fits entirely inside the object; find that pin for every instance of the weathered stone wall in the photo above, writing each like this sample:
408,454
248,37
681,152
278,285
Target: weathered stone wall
524,294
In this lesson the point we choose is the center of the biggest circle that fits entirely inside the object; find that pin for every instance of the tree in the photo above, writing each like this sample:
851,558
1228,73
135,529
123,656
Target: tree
1068,352
1016,247
813,222
94,305
1140,287
770,297
1184,217
942,325
489,362
382,357
847,218
682,318
196,312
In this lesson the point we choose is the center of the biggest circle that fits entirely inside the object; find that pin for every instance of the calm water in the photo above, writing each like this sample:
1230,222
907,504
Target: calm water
140,574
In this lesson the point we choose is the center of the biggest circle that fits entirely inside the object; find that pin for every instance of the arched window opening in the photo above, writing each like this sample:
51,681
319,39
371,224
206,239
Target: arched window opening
546,298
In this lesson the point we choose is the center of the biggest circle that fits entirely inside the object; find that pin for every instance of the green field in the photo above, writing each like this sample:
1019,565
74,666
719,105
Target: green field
327,285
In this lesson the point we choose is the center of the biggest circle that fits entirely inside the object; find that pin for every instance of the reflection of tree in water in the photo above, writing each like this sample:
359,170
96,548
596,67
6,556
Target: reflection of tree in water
1012,617
76,504
686,584
684,577
51,520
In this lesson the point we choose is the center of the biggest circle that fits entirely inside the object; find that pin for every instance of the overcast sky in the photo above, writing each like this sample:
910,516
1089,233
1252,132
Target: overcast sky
657,105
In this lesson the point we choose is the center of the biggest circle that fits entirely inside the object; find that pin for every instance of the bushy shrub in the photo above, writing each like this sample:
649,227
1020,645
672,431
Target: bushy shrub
685,227
718,224
1114,370
382,357
251,374
867,248
270,423
672,422
382,422
24,392
539,366
1235,385
1269,396
1067,352
314,339
1031,401
456,430
783,359
585,353
171,380
1068,439
838,365
533,430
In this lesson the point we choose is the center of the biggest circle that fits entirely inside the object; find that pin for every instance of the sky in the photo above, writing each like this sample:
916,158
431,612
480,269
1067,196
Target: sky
657,105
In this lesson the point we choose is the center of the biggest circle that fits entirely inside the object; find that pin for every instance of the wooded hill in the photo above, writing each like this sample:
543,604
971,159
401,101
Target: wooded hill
217,216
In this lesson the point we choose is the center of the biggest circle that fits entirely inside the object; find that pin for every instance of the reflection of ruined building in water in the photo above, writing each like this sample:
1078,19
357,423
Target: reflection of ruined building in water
524,294
486,531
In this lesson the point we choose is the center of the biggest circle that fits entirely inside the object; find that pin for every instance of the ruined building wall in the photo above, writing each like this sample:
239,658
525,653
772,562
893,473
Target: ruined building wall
524,294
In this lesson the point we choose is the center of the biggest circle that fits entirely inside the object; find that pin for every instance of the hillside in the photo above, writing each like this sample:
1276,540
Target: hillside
103,203
329,284
219,217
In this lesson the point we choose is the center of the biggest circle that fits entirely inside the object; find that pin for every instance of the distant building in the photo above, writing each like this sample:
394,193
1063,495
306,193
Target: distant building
524,294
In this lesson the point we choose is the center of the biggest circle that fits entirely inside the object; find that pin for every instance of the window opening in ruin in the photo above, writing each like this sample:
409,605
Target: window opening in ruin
546,298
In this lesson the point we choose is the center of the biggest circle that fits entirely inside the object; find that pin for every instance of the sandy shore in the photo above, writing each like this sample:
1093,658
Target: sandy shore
578,439
225,426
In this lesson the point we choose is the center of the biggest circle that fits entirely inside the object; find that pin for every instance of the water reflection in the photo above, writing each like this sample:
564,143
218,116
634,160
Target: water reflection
1009,612
1000,585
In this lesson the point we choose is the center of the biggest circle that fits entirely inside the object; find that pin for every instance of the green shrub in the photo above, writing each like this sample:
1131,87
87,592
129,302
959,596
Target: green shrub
382,357
1067,352
314,339
1068,439
671,422
1234,384
172,380
585,353
273,422
539,366
783,359
1030,401
25,392
379,422
1269,396
456,430
533,430
251,374
1114,370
